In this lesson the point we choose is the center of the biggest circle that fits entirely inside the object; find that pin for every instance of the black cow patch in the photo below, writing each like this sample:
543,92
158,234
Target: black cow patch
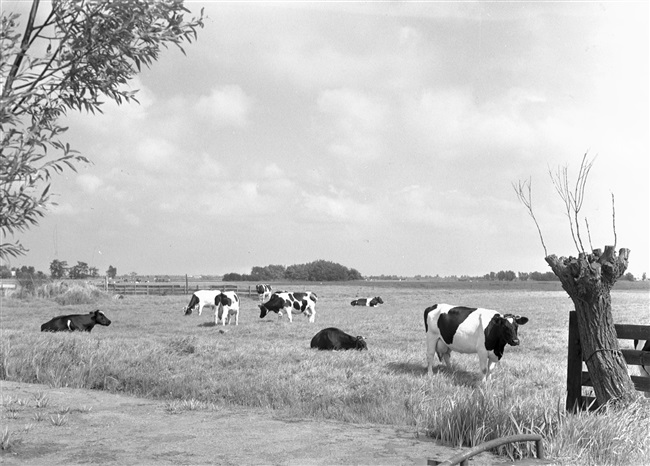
449,322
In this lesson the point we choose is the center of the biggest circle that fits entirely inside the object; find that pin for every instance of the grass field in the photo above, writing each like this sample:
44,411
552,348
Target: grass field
152,350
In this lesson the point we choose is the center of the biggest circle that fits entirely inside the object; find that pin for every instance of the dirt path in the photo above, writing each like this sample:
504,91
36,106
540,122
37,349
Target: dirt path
108,429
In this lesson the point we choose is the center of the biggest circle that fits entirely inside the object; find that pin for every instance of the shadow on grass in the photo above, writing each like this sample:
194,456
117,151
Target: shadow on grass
207,324
458,377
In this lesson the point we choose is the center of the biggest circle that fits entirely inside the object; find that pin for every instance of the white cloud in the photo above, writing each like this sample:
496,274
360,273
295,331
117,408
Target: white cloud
89,183
155,154
226,106
357,122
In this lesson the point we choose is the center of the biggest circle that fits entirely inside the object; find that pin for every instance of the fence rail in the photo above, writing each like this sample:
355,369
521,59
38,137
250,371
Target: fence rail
577,377
163,289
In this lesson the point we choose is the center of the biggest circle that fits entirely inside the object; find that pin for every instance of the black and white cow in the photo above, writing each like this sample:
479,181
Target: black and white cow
304,302
469,330
264,292
367,301
227,305
643,370
334,339
201,298
79,322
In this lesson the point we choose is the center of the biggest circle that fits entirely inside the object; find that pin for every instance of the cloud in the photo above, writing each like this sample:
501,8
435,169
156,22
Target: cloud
155,154
226,106
356,121
89,183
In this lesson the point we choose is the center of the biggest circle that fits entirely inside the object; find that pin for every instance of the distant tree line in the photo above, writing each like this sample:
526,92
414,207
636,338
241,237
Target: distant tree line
314,271
58,269
317,271
509,275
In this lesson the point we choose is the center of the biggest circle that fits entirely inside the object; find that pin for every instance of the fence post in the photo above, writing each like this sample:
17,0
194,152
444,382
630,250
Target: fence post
574,366
185,283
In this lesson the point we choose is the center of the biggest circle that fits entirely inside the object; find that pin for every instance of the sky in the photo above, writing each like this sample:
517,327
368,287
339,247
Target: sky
382,136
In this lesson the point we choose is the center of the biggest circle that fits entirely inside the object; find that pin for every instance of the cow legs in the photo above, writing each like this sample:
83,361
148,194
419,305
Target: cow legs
485,364
443,352
435,346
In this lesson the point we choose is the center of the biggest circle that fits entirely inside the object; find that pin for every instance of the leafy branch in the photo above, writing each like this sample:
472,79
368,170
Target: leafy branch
92,49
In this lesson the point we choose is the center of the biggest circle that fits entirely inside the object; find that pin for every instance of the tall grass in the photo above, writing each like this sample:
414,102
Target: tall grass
152,350
61,291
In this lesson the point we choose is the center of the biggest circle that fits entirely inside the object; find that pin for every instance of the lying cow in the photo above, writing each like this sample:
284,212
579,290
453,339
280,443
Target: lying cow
643,370
469,330
367,301
202,298
334,339
79,322
304,302
227,305
264,292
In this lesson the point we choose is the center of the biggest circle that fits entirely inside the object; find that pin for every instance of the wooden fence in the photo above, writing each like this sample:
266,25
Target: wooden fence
577,377
163,289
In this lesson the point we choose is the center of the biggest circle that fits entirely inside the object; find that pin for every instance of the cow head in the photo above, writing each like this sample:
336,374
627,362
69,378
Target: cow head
378,300
360,343
506,327
100,318
187,310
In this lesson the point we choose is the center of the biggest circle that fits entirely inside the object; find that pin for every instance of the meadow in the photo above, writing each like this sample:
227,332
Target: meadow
152,350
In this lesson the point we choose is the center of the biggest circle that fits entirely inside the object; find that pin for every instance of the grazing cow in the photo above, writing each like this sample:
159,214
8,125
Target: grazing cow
296,302
367,301
227,305
264,292
469,330
72,322
643,370
334,339
201,298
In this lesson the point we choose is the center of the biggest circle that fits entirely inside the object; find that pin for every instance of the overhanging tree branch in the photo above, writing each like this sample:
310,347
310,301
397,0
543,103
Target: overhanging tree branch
99,47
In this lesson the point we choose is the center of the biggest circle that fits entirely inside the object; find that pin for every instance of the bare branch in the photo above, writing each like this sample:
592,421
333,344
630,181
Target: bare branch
561,183
591,246
573,200
614,219
524,193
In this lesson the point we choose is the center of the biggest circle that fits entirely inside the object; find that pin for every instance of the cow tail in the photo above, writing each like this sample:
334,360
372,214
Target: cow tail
426,315
426,324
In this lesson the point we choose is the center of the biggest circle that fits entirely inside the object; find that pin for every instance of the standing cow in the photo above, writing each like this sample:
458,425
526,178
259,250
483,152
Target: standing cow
227,305
264,292
79,322
304,302
201,298
334,339
367,301
469,330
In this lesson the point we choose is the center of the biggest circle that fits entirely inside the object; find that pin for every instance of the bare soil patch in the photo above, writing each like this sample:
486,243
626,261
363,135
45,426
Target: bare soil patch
111,429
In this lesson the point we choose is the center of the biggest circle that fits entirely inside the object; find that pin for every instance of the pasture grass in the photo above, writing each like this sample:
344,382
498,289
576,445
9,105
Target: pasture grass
152,350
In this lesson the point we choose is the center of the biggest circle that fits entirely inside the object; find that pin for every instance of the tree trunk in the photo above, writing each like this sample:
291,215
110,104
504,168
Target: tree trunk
588,280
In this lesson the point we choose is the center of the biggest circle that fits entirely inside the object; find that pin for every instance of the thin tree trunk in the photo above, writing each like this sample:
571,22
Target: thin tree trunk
588,280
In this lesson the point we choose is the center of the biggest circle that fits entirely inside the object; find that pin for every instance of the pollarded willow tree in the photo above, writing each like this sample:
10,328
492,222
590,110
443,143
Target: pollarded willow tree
80,53
588,279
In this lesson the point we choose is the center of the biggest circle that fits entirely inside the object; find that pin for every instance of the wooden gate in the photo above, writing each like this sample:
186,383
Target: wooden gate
577,377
